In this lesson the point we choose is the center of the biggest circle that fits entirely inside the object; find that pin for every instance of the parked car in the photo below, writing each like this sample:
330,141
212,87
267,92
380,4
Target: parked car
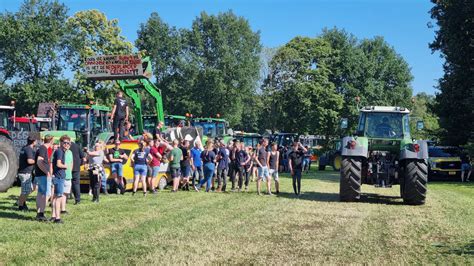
128,147
444,162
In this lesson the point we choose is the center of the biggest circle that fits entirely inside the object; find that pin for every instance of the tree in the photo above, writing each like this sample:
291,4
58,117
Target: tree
454,40
369,69
299,95
32,43
90,33
209,69
423,109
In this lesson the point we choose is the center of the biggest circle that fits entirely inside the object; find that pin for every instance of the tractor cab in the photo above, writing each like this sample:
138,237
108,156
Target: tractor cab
6,115
212,127
88,121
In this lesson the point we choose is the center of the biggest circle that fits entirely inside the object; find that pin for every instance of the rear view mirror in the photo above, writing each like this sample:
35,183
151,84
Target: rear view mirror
420,125
344,123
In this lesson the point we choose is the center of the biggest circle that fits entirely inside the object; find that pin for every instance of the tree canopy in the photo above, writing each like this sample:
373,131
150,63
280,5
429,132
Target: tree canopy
454,39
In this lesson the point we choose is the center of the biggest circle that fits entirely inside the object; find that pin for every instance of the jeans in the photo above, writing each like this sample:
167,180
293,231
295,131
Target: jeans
197,173
76,185
208,173
240,170
58,186
222,178
297,181
103,182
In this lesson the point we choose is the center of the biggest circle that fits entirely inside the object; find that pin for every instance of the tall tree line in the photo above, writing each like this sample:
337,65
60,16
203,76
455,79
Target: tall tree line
218,65
455,41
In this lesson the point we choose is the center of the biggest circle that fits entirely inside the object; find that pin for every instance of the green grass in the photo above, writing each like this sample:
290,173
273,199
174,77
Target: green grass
205,228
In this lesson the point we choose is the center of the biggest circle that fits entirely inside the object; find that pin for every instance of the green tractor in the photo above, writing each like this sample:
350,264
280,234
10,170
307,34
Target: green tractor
83,123
213,128
382,153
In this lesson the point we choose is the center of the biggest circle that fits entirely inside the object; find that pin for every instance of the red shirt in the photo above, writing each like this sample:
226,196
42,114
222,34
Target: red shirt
154,151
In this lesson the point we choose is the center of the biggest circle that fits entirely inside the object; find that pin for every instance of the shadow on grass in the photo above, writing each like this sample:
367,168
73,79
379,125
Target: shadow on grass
312,196
467,249
9,213
372,198
369,198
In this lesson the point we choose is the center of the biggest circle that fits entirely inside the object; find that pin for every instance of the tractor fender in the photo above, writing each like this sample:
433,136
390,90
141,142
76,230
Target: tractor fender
361,148
408,151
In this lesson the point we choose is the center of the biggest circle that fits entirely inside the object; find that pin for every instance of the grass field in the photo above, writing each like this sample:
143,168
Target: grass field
243,228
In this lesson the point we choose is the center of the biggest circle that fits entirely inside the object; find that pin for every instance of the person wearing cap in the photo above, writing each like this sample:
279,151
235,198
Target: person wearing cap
117,157
27,163
296,158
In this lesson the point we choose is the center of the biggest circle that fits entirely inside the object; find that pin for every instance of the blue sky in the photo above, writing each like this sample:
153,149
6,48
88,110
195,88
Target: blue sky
403,23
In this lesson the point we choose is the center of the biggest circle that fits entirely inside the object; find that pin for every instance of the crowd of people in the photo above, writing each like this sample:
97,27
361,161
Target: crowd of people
53,170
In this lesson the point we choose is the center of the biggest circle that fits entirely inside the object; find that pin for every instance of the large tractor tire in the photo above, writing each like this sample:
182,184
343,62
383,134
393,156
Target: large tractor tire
351,175
414,185
8,164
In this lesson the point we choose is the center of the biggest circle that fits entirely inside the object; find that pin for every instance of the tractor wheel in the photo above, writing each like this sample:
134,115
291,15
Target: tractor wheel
8,164
336,163
321,167
351,174
415,182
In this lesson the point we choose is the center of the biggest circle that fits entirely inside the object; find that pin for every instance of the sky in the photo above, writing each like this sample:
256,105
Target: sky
402,23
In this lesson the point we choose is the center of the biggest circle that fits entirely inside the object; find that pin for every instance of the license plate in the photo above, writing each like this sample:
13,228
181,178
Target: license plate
452,173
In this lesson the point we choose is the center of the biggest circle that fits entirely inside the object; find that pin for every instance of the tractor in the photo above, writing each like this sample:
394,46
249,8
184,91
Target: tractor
382,153
8,156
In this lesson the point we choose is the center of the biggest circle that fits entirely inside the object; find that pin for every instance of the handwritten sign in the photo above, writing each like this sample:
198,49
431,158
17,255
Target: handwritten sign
114,67
20,139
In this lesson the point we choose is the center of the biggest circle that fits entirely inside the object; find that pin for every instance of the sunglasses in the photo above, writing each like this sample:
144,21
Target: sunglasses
67,143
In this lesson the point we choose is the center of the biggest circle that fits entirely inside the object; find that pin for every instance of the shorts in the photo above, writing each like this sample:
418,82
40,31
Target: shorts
140,170
186,170
465,167
117,168
155,170
58,186
26,184
274,174
263,172
67,186
175,172
44,185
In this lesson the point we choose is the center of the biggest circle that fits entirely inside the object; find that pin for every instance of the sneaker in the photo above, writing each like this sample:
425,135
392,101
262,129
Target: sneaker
64,212
154,192
52,219
77,202
269,194
58,221
246,189
144,194
173,191
197,189
133,193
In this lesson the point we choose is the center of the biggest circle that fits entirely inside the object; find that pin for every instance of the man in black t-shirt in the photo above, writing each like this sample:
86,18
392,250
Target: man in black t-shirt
43,173
119,115
27,164
296,158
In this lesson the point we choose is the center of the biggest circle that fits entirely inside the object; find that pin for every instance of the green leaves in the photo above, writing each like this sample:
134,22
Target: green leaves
454,40
313,82
209,69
